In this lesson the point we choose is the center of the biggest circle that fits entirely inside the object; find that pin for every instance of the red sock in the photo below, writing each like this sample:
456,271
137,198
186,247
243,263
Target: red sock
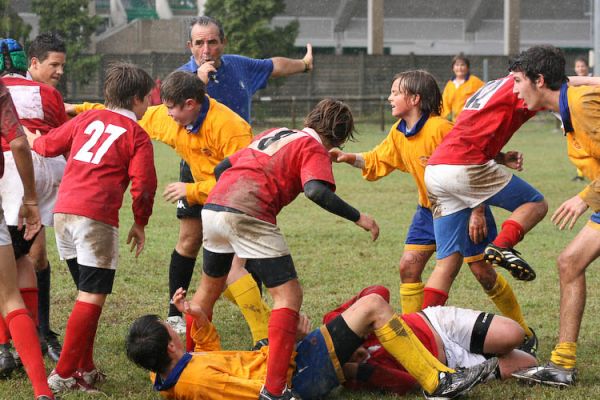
30,298
189,342
80,328
4,333
86,362
511,233
434,297
282,335
25,339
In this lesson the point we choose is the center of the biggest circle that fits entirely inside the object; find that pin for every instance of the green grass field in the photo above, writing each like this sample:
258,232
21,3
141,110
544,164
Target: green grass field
335,259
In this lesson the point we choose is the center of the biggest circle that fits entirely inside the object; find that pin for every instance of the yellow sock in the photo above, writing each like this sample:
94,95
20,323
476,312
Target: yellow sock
400,341
565,354
244,292
227,294
411,297
505,300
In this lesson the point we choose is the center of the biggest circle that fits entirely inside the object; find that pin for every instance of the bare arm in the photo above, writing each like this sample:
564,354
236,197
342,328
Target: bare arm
29,210
287,66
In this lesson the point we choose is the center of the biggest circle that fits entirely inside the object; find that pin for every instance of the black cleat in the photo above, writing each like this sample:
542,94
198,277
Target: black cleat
7,361
460,382
288,394
549,374
530,344
54,346
509,259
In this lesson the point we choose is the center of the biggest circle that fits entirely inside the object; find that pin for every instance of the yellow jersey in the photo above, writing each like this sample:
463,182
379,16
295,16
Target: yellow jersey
583,144
213,374
407,154
454,98
222,133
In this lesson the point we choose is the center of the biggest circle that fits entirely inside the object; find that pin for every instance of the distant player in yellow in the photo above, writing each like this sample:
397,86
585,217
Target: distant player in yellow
581,69
541,82
415,101
203,132
459,88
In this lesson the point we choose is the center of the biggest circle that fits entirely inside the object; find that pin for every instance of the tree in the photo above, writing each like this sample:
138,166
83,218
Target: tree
247,27
71,19
11,24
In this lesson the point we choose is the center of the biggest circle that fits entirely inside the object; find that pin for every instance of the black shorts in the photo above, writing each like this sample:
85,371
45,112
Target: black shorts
184,210
21,246
91,279
272,272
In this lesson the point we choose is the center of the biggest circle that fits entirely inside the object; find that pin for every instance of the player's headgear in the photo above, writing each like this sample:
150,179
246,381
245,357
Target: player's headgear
13,56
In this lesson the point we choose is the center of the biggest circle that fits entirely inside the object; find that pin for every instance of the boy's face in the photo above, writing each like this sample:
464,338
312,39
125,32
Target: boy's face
205,44
460,69
50,70
401,101
581,68
527,90
184,114
175,339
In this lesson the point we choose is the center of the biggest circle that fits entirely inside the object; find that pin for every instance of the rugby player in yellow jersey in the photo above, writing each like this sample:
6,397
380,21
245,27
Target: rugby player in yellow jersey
540,80
459,88
203,132
415,100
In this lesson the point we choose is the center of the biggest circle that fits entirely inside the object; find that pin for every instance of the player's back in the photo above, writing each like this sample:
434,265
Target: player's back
107,149
489,119
271,172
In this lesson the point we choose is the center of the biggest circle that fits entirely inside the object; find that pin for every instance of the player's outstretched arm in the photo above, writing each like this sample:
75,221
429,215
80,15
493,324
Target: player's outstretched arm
136,238
187,307
287,66
354,159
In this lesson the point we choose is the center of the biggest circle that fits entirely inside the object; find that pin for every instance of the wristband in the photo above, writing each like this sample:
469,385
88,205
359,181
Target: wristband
30,203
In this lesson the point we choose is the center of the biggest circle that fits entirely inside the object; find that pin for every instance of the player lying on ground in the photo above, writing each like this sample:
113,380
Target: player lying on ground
314,369
460,338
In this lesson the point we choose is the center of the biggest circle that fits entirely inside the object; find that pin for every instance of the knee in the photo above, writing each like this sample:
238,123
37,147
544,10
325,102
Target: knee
189,244
410,269
567,265
484,273
372,303
541,209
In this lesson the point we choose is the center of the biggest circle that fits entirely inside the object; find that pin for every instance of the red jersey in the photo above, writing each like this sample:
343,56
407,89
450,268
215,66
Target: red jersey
269,174
10,128
107,150
490,117
39,106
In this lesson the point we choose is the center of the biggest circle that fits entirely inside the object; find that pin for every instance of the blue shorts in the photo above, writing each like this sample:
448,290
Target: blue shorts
420,235
595,217
452,231
318,370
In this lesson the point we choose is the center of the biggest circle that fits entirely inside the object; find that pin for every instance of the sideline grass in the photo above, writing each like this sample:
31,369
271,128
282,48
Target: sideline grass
335,259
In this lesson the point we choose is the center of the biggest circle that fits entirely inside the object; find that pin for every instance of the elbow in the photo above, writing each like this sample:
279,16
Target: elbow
19,145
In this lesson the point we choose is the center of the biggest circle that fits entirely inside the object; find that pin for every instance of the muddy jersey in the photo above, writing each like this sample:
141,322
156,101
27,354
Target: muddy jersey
269,174
489,119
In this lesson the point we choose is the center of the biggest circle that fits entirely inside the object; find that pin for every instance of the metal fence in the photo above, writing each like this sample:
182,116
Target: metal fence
272,110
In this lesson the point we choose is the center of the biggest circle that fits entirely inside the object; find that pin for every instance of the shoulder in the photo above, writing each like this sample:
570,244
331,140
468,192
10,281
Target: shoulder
475,80
437,124
219,113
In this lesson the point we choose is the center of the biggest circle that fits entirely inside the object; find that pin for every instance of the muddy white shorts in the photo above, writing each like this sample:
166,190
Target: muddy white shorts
246,236
453,188
4,234
455,327
93,243
48,174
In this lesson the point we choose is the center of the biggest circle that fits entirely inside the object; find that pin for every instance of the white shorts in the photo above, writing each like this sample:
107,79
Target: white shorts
455,327
246,236
48,174
93,243
5,239
453,188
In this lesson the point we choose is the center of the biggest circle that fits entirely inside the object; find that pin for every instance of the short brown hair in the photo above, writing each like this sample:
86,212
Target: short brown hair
461,57
179,86
332,119
123,82
422,83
